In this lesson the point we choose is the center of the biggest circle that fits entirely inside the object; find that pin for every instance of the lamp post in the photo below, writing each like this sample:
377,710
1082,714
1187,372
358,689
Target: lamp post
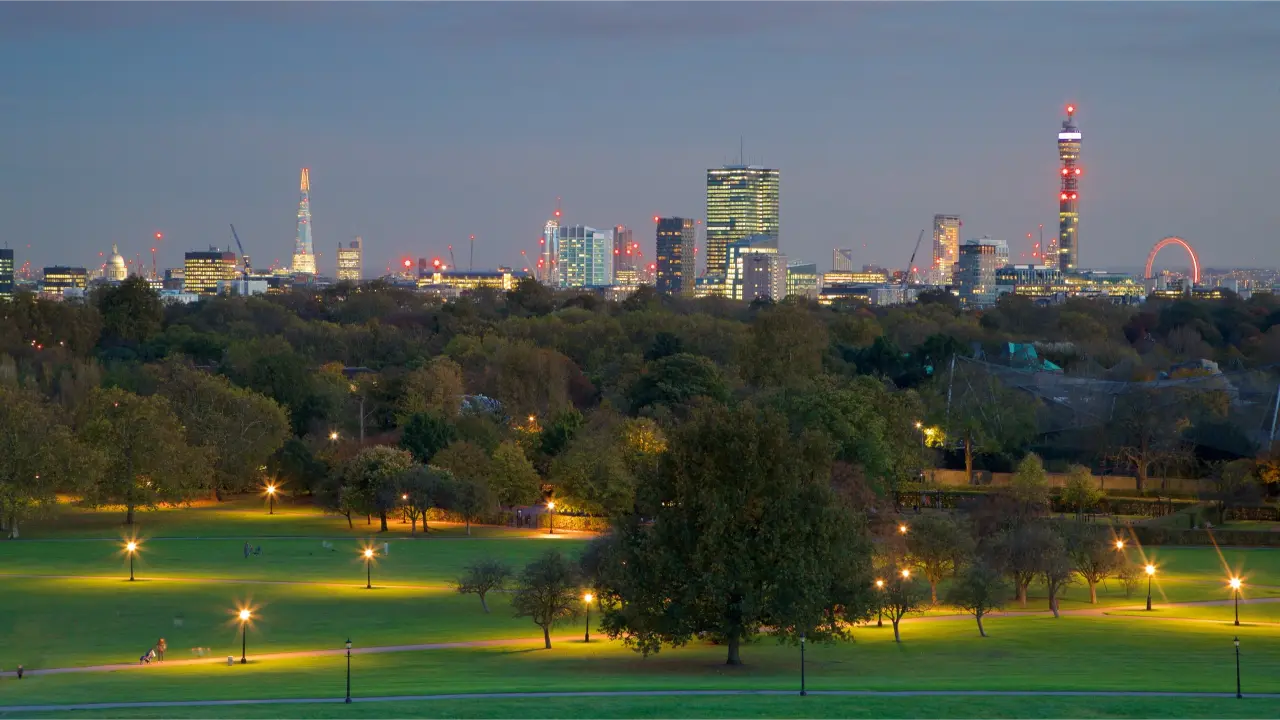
131,548
348,670
1151,572
880,604
244,634
271,499
803,692
920,427
551,518
333,436
1238,694
586,636
1119,546
1235,591
368,568
902,528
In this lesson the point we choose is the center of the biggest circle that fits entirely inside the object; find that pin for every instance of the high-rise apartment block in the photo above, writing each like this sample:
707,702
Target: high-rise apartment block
547,269
351,261
202,271
764,276
626,256
742,201
674,265
975,273
304,259
946,248
6,274
1069,194
584,258
739,253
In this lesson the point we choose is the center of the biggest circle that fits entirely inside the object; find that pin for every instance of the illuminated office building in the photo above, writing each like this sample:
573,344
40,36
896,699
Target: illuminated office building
1069,194
584,257
674,266
742,201
202,271
736,264
626,256
304,258
764,276
548,262
351,261
60,280
6,274
802,279
946,247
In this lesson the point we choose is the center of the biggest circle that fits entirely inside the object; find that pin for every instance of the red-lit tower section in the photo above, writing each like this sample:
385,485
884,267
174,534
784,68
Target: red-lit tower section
1069,194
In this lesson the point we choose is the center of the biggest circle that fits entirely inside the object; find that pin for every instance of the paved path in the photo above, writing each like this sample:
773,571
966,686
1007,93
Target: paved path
636,693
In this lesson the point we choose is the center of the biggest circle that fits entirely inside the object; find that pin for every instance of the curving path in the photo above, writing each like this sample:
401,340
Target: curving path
224,581
634,693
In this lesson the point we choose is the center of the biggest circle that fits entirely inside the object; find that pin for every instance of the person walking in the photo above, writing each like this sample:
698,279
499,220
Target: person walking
160,648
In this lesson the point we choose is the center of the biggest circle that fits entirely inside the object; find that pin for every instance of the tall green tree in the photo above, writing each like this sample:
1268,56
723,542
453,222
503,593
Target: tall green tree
38,454
514,479
436,387
376,472
676,382
978,591
427,434
746,534
241,428
131,312
939,545
146,459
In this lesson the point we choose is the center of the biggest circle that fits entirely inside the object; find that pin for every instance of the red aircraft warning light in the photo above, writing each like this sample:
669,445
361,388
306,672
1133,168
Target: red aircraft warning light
1071,109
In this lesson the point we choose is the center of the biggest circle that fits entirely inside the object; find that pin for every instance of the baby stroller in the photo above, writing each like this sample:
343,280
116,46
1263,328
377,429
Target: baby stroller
147,656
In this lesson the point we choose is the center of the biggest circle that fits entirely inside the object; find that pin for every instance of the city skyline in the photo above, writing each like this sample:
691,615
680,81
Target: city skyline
862,172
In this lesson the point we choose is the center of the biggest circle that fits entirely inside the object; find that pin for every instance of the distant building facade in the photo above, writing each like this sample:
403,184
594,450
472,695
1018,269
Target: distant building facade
802,280
946,248
61,281
975,275
742,201
203,270
6,274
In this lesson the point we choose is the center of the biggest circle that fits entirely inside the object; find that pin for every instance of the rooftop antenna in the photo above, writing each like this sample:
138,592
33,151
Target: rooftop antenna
742,152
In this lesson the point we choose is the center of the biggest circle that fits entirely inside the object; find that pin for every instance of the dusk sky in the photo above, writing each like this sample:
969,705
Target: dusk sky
424,123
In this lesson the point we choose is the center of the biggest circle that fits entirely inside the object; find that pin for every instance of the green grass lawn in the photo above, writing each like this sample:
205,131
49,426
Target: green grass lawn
814,706
1111,653
56,622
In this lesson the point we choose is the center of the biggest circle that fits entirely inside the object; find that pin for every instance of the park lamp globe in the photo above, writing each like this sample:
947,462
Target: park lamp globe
1151,569
1235,583
906,574
902,529
879,584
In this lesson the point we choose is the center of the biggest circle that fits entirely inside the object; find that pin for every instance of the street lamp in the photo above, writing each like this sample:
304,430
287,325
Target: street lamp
348,670
1235,590
368,568
880,604
333,436
1237,642
906,574
803,692
551,519
586,637
245,614
902,529
1151,572
271,499
1119,546
131,548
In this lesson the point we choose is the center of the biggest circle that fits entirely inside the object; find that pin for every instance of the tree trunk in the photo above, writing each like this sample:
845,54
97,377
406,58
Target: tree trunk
368,519
128,514
1022,594
546,636
968,459
413,523
483,604
735,658
1093,592
350,525
981,632
382,516
1053,602
933,592
468,526
896,637
13,527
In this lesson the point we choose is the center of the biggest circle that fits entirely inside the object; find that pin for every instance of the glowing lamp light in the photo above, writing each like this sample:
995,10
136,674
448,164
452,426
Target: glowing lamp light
333,435
902,529
245,615
131,546
1235,583
551,505
368,553
1151,569
271,489
1119,544
906,574
880,584
588,597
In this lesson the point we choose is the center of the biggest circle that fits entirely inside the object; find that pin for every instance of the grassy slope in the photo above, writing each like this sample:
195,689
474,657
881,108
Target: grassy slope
730,707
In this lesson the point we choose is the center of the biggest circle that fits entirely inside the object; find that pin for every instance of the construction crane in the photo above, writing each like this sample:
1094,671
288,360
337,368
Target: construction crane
244,259
906,277
452,263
